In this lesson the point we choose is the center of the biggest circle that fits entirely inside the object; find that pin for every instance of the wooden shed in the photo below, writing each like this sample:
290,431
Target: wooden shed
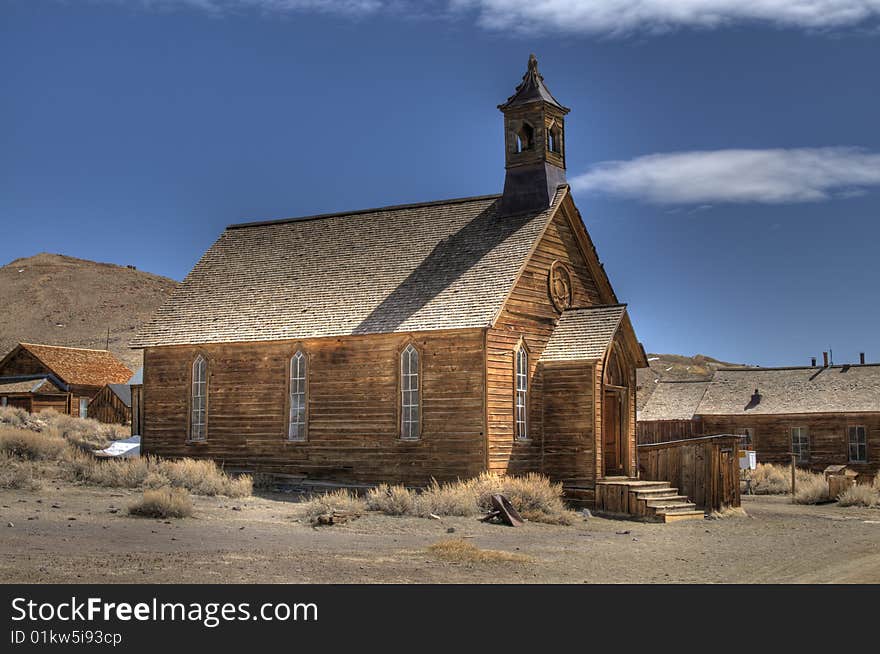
405,343
112,404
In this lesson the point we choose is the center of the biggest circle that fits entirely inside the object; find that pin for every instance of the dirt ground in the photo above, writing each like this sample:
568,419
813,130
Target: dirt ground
71,534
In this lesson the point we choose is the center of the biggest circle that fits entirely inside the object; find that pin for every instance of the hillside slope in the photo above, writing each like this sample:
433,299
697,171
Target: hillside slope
60,300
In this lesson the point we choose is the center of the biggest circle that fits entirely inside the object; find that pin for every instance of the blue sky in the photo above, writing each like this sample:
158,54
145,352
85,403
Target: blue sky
725,155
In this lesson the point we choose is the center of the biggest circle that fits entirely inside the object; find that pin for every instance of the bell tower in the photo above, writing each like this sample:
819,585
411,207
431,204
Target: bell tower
534,141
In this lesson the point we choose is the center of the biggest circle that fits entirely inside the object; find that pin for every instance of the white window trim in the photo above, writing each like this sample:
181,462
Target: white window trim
410,382
849,443
803,436
298,395
200,385
521,393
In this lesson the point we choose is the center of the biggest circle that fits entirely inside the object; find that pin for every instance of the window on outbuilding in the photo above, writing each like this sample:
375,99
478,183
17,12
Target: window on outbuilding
4,401
410,404
296,425
199,400
521,386
858,444
800,444
83,407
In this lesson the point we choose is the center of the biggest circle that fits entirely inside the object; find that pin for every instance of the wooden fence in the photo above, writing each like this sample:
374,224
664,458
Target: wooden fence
705,468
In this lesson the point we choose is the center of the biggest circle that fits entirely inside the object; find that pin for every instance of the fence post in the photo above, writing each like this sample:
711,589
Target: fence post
793,476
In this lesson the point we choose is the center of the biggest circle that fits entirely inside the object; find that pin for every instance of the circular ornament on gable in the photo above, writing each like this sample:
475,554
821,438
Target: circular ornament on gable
560,286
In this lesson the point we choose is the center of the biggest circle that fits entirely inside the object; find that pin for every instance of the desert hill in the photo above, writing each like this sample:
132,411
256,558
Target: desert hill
61,300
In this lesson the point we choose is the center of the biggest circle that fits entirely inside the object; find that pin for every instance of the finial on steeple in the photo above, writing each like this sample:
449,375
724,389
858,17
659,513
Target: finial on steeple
531,89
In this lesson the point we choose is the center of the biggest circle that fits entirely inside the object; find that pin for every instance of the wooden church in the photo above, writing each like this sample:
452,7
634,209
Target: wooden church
405,343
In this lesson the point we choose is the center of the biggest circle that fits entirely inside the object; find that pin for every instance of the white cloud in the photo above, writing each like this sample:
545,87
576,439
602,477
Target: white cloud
624,16
596,17
724,176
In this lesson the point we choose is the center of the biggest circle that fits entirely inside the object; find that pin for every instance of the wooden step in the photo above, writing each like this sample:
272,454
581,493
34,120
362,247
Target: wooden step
660,505
648,493
676,516
672,500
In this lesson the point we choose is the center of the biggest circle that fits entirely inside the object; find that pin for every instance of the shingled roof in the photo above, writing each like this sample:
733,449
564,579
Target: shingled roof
78,366
836,389
532,89
584,334
28,384
439,265
673,400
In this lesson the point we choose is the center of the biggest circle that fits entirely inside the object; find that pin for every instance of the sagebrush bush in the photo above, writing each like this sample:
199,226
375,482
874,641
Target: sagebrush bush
31,445
877,480
391,500
812,489
860,495
82,432
326,503
202,477
533,496
771,479
163,502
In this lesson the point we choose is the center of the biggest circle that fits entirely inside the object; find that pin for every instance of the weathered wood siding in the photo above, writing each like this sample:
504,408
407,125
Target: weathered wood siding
23,363
661,431
107,407
529,314
137,409
705,469
828,437
353,407
569,425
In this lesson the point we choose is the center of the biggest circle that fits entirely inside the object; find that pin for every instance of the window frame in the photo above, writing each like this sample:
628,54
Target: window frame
83,407
862,444
401,406
299,351
524,435
191,397
803,435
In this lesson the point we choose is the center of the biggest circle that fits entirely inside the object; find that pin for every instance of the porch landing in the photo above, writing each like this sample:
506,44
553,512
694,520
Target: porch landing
655,501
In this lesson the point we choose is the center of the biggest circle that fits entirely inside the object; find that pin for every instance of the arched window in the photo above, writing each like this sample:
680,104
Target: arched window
296,420
554,139
409,394
199,400
524,137
521,404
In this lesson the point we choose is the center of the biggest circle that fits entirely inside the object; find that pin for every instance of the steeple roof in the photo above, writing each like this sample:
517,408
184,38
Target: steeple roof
531,89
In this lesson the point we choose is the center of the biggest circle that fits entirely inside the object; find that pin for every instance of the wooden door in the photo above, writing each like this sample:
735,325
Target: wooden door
611,431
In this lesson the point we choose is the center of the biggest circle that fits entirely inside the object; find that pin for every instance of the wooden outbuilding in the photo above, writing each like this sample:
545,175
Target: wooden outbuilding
38,377
405,343
136,386
828,415
112,404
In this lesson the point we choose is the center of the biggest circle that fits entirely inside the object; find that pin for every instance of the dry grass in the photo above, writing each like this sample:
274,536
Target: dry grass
202,477
82,432
16,473
456,550
67,442
163,503
770,479
30,445
860,495
877,480
326,503
812,488
534,496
